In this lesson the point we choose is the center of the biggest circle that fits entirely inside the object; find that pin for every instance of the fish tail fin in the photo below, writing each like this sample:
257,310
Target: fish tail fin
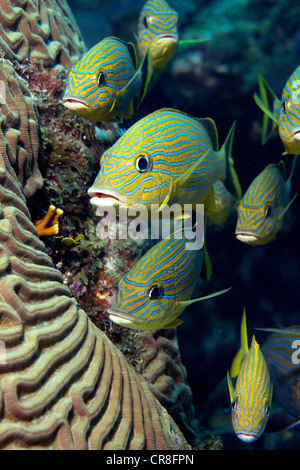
269,103
243,350
146,69
231,181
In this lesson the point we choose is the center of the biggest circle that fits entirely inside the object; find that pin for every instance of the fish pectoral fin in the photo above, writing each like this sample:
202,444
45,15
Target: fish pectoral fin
206,269
181,180
184,44
146,68
265,101
173,323
230,387
231,181
287,206
243,350
186,303
168,196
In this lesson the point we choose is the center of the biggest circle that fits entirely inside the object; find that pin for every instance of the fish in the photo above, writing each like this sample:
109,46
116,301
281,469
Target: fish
155,292
158,33
261,210
281,350
107,84
225,206
283,113
166,157
251,398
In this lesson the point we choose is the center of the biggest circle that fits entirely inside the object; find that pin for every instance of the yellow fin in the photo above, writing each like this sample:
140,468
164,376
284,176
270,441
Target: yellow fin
186,303
243,350
230,387
173,323
210,202
265,101
206,269
180,181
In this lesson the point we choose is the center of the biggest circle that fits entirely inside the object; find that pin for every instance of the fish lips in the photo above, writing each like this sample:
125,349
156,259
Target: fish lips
247,236
122,318
75,104
295,134
106,199
245,437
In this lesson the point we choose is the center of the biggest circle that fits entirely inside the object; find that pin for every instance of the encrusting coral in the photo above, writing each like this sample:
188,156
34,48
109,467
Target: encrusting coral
63,383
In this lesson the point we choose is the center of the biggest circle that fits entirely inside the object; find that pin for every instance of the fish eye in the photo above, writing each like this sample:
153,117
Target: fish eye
155,292
145,22
268,211
143,163
267,409
101,79
283,108
234,405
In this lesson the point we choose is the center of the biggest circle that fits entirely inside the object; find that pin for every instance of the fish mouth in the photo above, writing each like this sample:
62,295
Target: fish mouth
106,198
167,36
245,437
295,135
248,238
74,103
122,318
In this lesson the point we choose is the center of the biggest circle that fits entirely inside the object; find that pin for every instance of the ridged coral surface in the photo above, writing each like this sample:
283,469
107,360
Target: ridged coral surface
39,30
63,383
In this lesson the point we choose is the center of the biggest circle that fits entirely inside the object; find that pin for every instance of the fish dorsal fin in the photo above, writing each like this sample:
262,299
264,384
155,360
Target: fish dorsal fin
243,350
211,129
132,52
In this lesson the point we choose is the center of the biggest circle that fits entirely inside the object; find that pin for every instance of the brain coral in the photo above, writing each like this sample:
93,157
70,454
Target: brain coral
19,122
42,30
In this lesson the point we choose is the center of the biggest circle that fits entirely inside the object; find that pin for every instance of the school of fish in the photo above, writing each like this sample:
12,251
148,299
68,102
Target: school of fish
170,158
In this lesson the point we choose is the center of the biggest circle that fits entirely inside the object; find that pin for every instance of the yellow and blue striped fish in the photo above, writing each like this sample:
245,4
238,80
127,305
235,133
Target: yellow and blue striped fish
262,208
252,395
159,287
157,32
283,359
106,84
284,113
166,157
